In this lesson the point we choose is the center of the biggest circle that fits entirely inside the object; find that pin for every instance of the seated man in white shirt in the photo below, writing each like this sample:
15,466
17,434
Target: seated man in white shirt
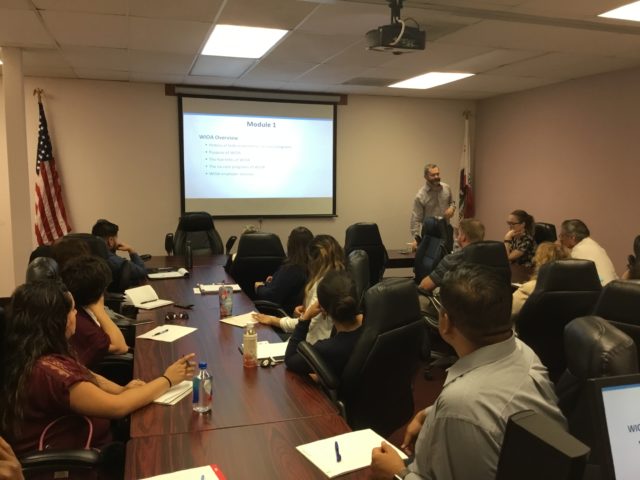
574,235
459,437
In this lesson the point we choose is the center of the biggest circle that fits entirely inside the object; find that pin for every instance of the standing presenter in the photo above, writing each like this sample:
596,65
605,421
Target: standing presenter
432,200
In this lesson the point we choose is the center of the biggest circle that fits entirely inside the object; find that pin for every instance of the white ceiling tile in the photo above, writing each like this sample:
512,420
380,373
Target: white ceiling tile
155,62
102,74
211,80
23,28
53,72
32,58
311,47
331,74
97,58
345,19
505,35
585,9
156,78
274,71
87,30
563,66
19,4
496,83
436,55
221,66
358,54
198,10
114,7
285,14
492,59
259,84
162,35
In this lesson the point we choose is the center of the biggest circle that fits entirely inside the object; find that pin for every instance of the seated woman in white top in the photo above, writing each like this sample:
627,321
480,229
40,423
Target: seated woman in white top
325,255
545,253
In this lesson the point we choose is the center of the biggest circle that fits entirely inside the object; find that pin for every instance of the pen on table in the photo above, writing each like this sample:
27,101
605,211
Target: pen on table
160,332
147,301
338,456
187,362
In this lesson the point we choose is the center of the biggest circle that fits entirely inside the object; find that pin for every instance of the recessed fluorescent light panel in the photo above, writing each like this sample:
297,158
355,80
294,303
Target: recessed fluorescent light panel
430,80
241,42
626,12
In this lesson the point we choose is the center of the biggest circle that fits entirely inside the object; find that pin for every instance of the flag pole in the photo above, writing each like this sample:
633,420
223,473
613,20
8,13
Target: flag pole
39,93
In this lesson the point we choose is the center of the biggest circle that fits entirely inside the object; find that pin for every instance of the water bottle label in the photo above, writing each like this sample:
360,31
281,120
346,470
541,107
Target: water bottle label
196,390
206,388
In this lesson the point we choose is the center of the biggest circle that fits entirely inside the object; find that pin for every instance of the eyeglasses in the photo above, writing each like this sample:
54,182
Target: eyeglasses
511,224
176,316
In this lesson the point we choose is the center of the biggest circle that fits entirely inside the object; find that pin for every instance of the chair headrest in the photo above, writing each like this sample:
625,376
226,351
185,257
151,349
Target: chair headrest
595,348
195,222
260,244
568,275
391,303
486,252
545,231
620,301
431,227
362,234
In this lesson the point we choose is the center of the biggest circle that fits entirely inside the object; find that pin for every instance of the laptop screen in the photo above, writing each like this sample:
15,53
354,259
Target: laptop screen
618,400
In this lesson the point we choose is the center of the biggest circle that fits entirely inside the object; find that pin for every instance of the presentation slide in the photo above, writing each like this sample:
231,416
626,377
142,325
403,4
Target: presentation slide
623,425
247,158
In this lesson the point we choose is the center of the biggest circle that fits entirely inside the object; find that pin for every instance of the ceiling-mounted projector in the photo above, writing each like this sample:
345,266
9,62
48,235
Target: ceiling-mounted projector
397,37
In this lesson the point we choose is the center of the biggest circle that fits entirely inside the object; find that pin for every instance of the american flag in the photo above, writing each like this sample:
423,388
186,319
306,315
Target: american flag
467,204
51,216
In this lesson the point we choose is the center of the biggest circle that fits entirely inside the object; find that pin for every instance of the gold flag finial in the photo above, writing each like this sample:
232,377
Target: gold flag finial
39,93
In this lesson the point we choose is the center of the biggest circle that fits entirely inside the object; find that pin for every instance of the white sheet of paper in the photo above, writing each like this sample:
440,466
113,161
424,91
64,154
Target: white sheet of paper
181,272
199,473
145,298
355,450
239,320
266,349
175,393
214,287
167,333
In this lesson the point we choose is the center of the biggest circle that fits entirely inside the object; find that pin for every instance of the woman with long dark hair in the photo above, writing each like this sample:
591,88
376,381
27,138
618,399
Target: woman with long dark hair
519,240
286,285
337,298
43,381
325,255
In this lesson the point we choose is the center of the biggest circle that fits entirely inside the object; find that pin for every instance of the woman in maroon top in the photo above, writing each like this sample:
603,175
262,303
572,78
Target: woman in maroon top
43,381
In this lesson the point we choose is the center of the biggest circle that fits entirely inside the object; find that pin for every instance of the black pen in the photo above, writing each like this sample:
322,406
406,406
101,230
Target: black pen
160,332
147,301
338,456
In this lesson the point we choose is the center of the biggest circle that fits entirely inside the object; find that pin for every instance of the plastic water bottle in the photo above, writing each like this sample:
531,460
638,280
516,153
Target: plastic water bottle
188,255
202,389
250,346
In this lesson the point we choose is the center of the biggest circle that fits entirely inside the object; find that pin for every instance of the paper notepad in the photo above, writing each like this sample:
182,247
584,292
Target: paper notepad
203,288
210,472
167,333
175,393
145,298
239,320
355,452
179,273
270,350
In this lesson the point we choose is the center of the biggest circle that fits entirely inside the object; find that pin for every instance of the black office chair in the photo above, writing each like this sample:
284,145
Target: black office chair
366,236
259,256
375,389
491,254
358,266
199,229
431,249
594,348
444,232
535,447
619,303
41,251
544,232
565,289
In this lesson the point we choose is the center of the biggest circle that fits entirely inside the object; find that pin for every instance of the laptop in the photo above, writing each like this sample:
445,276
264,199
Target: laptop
617,415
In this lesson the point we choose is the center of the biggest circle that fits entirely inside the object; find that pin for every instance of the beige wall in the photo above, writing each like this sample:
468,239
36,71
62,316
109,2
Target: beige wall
565,151
117,150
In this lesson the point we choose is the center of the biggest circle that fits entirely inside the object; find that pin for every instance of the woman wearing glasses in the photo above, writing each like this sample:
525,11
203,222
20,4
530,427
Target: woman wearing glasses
519,240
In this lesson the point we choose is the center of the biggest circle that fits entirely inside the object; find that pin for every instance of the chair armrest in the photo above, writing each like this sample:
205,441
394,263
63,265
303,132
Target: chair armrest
426,293
230,243
116,367
329,381
51,460
270,308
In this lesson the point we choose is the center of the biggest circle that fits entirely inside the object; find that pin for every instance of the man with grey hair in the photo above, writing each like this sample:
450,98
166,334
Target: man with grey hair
432,200
574,235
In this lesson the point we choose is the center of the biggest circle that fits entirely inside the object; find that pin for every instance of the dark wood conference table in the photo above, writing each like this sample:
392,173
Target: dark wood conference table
251,407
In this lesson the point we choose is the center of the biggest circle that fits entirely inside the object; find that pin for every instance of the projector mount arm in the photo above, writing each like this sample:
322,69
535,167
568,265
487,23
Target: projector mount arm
395,6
